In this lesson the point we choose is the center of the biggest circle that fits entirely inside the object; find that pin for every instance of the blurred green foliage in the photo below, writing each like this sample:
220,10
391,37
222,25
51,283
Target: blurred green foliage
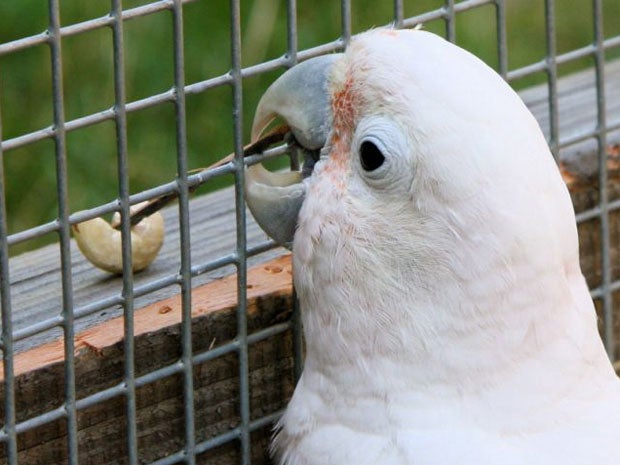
26,95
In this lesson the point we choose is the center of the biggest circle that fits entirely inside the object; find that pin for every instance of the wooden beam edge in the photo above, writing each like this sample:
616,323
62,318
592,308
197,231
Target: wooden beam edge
576,181
268,279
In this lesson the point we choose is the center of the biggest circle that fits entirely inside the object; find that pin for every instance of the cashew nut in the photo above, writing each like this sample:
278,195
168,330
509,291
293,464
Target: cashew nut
101,243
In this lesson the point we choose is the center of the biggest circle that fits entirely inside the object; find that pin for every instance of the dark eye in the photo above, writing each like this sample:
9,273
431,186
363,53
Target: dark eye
370,156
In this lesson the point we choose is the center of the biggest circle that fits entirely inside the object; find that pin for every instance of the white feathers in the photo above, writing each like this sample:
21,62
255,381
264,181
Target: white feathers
445,314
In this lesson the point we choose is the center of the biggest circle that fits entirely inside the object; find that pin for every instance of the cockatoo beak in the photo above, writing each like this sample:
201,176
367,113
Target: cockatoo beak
300,98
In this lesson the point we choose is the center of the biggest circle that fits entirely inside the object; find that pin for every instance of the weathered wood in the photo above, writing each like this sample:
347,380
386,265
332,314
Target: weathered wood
577,115
160,414
266,279
36,280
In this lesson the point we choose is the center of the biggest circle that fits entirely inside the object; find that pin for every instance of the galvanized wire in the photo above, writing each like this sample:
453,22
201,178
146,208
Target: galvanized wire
7,327
62,186
552,78
184,366
242,324
127,294
399,14
502,40
601,137
450,20
292,51
185,246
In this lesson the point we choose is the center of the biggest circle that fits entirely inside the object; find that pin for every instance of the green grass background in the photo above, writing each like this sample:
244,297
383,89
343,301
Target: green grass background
26,98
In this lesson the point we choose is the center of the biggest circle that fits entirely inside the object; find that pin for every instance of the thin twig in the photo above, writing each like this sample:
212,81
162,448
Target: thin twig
274,136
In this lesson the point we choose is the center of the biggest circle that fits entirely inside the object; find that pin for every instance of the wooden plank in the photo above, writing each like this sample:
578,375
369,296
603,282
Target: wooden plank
577,114
36,280
99,366
268,279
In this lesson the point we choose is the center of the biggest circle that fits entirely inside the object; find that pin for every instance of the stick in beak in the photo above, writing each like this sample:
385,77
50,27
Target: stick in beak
276,135
300,98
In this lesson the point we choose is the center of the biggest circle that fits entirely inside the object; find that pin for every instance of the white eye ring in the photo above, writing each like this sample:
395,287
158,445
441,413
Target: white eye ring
382,154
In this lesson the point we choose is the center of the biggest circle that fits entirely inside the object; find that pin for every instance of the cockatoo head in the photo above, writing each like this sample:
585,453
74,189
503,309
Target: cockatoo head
435,210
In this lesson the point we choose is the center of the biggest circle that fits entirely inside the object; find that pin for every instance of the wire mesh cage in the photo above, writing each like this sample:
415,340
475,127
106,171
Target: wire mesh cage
106,106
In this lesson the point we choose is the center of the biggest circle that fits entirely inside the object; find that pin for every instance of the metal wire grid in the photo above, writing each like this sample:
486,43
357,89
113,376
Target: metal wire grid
118,113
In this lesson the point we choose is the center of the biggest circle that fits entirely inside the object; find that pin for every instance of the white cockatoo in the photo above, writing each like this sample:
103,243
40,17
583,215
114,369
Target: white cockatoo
435,256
